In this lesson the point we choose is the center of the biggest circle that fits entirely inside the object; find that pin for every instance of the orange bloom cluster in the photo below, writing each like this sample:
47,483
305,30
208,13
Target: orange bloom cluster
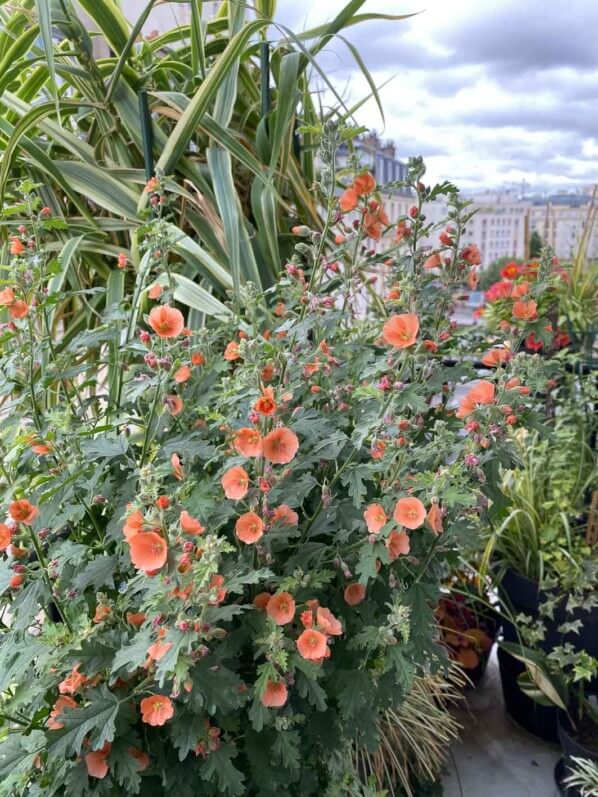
362,186
480,394
147,548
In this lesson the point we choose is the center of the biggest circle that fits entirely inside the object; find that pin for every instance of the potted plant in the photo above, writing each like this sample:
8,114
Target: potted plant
539,543
468,625
241,514
563,677
583,778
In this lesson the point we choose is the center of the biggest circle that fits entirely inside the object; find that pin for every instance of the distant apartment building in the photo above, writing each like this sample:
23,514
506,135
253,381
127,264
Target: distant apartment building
499,226
561,219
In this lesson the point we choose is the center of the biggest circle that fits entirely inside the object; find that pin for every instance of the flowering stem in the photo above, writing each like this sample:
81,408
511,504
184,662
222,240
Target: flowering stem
44,566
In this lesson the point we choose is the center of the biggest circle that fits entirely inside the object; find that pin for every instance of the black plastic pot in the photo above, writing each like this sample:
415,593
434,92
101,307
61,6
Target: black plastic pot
572,748
521,595
541,721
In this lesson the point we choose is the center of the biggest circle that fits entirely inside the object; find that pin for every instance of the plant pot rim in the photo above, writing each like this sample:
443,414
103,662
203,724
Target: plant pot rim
570,745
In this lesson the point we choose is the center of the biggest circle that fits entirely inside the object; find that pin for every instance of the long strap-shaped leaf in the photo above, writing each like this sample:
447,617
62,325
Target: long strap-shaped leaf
205,95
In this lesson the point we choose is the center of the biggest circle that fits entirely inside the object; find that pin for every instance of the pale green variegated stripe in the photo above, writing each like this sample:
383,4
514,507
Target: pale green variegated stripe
194,296
205,95
101,188
200,258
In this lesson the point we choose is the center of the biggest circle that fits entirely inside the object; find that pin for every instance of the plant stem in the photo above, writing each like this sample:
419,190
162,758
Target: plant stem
44,566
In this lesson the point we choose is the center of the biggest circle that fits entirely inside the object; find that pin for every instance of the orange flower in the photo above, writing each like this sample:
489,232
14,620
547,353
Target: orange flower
354,593
148,551
525,311
375,518
472,255
249,528
280,445
403,231
141,758
281,608
189,524
494,357
261,601
135,618
58,708
394,293
311,644
96,762
182,374
401,330
174,404
364,184
267,372
482,393
158,650
275,695
434,519
248,442
378,448
409,512
73,682
235,483
434,261
5,537
284,515
155,291
197,359
133,525
216,583
473,279
266,405
167,322
232,351
156,710
16,246
23,512
101,613
348,200
375,220
7,297
40,448
397,544
177,468
520,289
328,622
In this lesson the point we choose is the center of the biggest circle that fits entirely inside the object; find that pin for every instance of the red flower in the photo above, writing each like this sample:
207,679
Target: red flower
266,405
511,271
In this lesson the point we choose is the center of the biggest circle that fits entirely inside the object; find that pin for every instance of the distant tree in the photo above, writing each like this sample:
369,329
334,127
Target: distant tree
535,244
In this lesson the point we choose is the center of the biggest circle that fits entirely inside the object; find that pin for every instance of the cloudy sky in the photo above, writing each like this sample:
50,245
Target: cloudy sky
491,92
